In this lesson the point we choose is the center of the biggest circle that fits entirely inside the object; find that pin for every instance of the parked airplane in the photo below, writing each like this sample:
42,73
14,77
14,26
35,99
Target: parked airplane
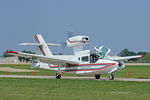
83,62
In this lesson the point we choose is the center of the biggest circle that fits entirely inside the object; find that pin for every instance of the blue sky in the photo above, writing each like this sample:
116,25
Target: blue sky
116,24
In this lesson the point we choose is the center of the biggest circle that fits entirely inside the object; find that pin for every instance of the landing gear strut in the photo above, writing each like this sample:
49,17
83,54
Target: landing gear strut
111,76
58,75
97,76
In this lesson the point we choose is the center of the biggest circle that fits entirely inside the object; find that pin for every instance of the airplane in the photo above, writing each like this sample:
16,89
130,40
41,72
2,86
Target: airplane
82,62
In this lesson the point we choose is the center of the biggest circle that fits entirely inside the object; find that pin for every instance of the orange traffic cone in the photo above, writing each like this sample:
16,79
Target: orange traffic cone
31,73
127,74
61,73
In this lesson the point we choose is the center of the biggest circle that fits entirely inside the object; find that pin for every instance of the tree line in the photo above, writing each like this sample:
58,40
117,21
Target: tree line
126,52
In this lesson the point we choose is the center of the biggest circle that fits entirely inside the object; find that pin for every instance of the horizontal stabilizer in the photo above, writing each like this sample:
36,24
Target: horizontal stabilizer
37,44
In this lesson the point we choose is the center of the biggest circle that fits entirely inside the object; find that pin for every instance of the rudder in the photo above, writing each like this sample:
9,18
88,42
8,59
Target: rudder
43,46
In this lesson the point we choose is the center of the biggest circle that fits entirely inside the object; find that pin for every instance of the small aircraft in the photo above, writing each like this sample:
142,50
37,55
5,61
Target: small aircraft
83,62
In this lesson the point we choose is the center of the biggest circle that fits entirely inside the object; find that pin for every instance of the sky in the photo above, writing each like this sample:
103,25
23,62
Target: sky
116,24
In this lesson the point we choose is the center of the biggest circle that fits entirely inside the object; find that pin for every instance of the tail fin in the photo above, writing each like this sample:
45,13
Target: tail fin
43,46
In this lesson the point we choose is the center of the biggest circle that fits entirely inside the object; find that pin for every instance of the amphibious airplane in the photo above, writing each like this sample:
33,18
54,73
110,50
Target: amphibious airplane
83,62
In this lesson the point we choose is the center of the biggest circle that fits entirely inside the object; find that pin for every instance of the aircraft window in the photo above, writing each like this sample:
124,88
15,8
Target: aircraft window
79,58
85,58
93,58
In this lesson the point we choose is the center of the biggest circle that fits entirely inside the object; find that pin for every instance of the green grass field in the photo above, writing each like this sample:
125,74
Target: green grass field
73,89
136,71
69,89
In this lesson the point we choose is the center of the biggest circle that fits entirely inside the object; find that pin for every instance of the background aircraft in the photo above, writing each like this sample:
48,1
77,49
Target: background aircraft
83,62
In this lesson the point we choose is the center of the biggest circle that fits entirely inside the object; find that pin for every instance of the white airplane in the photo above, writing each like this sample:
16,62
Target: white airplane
83,62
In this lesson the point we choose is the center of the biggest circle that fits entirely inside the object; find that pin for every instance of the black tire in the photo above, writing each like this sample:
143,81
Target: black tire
97,76
58,76
111,77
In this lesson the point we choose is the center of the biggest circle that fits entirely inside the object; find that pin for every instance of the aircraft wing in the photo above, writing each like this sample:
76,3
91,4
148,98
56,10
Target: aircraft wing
125,58
45,59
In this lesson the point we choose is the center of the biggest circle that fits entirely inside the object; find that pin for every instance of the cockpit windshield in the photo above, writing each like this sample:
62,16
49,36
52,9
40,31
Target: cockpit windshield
102,51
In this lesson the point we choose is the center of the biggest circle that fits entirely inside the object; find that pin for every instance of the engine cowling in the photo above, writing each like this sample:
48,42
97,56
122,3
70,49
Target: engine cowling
77,41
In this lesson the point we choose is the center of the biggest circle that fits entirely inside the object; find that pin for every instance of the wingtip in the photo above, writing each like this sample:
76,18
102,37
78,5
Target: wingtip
142,55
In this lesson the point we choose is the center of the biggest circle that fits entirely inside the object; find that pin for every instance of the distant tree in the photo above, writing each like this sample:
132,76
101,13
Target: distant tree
58,54
126,52
142,53
28,52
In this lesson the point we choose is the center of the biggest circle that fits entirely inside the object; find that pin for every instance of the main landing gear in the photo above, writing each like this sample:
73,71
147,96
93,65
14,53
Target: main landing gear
58,75
111,76
97,76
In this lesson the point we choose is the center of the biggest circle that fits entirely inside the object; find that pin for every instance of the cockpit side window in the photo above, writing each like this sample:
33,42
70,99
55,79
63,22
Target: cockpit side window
93,58
85,58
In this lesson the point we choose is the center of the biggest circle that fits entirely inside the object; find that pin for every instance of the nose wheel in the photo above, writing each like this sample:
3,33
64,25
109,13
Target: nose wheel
58,75
97,76
111,76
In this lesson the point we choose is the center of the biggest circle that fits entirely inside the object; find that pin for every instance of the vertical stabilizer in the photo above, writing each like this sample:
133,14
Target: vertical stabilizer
43,46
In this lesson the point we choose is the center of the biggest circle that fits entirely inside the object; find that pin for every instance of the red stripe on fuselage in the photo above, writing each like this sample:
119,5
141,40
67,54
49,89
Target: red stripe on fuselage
94,69
111,64
87,64
96,64
52,66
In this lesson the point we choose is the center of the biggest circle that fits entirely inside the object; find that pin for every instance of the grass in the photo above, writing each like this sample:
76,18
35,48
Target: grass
69,89
140,71
134,71
73,89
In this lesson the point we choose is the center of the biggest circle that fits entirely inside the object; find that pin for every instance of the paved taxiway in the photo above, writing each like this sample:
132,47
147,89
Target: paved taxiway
67,77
